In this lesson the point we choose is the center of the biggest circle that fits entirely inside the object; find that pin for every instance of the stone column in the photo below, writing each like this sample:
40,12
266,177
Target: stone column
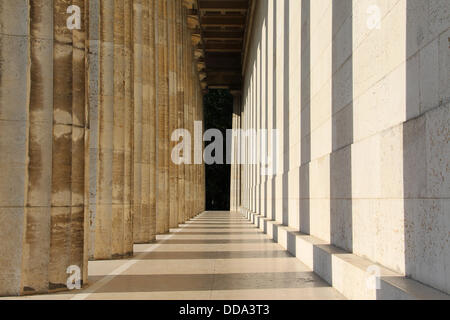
162,218
67,214
137,118
191,129
180,34
186,57
92,87
36,144
110,144
247,148
102,248
146,227
42,142
119,221
196,166
173,115
202,170
152,61
128,129
200,165
235,147
144,223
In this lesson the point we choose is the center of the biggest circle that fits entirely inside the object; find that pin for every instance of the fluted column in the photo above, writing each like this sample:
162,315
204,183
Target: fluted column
128,127
202,169
180,21
152,67
191,129
200,151
119,221
110,102
235,147
145,227
42,142
137,118
102,246
186,35
67,196
173,107
162,216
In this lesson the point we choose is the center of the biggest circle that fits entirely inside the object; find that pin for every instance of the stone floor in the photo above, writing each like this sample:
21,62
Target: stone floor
217,255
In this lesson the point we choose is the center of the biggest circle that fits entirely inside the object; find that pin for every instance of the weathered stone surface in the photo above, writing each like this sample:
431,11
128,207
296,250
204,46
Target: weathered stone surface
42,111
363,131
86,117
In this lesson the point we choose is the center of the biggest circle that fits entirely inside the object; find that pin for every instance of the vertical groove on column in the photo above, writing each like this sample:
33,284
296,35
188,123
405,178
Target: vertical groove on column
103,218
38,194
180,102
152,119
137,116
145,165
162,204
173,116
117,219
202,180
189,122
14,114
234,206
78,143
42,140
67,214
87,135
110,74
128,239
186,109
93,101
147,226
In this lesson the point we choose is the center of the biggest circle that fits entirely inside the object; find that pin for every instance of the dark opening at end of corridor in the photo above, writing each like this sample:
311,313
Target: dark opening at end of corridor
218,109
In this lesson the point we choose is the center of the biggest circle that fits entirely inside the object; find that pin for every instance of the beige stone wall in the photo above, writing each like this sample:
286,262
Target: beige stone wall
363,118
85,123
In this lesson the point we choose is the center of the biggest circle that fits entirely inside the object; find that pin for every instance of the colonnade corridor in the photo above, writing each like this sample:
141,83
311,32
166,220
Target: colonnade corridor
336,149
215,256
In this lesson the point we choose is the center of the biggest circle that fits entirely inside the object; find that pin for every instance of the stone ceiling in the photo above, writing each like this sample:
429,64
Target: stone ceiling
219,33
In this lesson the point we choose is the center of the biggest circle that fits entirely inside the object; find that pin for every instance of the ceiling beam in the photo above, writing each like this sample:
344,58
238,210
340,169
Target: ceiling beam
223,21
222,24
223,5
217,35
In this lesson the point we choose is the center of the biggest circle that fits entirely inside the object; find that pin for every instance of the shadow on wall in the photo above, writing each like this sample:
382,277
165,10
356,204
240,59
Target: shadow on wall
274,101
426,146
342,132
286,105
342,126
305,218
265,107
218,111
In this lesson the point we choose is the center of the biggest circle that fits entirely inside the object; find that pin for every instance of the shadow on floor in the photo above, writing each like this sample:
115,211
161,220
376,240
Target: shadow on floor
192,255
218,241
206,282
